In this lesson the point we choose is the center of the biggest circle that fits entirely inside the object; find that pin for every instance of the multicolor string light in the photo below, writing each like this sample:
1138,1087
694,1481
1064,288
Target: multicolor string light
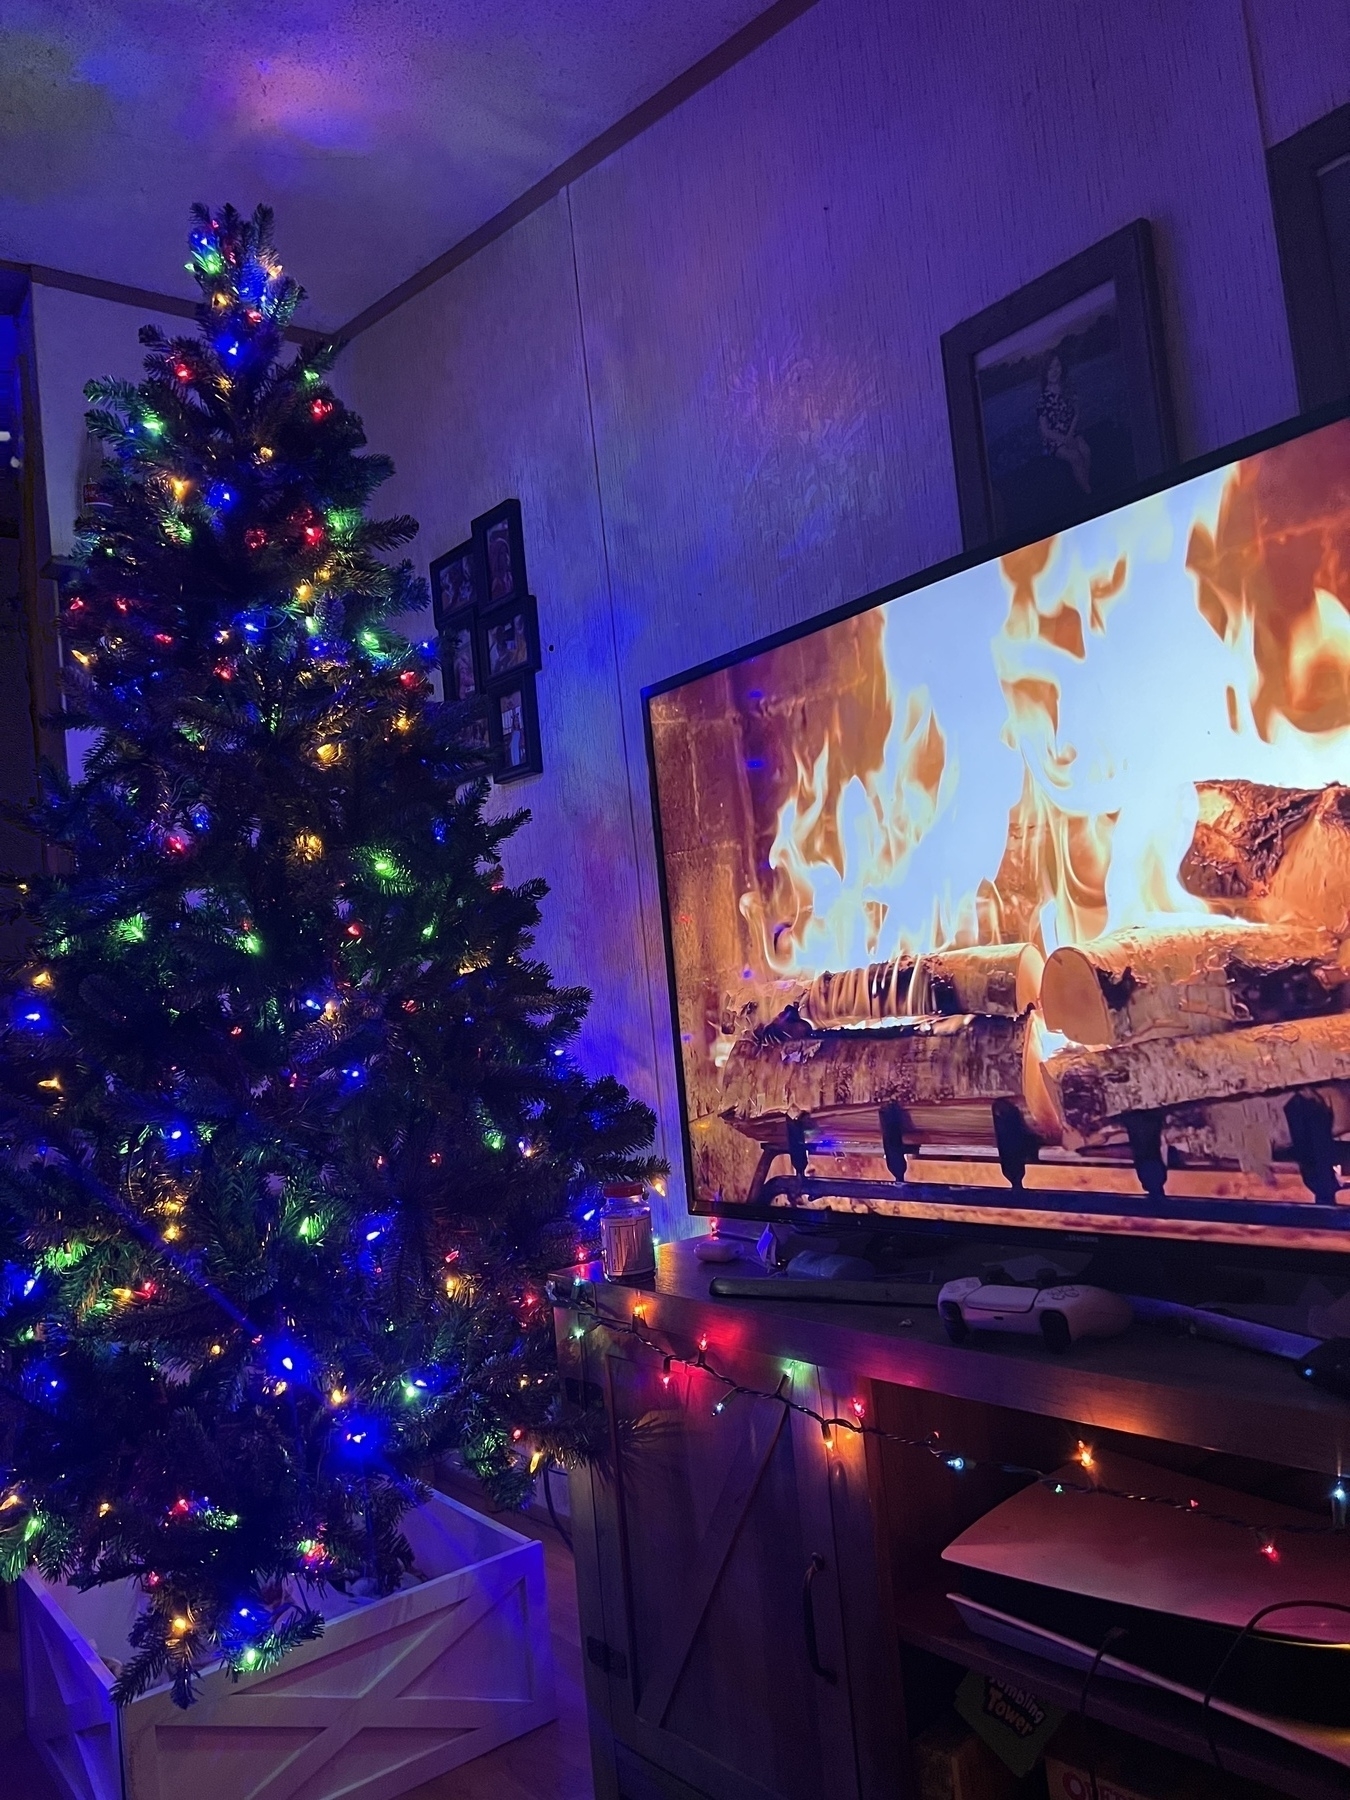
634,1326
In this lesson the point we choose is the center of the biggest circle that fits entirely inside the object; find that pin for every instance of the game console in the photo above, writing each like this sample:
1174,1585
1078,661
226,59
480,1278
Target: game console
1059,1316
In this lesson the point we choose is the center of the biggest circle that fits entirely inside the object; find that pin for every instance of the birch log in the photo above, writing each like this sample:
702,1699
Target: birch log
932,1062
1275,855
999,979
1190,980
1091,1088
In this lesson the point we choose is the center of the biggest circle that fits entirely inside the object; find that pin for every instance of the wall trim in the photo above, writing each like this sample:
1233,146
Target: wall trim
39,275
736,48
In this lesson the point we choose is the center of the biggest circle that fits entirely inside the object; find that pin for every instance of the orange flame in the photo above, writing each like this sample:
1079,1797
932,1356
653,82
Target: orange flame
1104,807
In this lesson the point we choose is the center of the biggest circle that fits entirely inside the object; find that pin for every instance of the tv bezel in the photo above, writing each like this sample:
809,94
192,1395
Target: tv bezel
1301,425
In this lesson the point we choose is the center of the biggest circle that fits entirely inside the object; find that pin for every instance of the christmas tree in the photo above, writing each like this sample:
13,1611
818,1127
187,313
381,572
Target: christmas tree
289,1130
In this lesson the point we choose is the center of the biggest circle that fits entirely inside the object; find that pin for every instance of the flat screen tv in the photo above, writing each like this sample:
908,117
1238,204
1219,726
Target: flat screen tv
1019,893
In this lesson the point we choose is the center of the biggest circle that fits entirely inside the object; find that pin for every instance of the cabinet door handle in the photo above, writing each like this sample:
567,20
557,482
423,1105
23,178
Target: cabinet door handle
815,1567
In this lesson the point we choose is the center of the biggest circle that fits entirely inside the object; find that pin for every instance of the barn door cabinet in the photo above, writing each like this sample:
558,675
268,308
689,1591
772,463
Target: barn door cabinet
764,1616
727,1569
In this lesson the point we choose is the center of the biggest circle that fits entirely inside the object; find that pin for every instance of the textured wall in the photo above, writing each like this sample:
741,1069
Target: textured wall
77,338
711,370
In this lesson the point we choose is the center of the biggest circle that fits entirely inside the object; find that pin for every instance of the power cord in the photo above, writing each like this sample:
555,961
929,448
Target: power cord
1113,1636
1206,1710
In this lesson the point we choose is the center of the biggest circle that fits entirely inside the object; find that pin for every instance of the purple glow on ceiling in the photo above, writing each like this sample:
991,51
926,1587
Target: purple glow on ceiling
382,136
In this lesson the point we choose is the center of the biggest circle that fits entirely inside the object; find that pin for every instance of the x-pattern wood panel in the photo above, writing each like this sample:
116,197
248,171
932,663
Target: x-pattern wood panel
462,1727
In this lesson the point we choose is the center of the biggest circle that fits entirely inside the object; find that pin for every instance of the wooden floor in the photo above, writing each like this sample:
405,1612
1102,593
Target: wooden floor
552,1763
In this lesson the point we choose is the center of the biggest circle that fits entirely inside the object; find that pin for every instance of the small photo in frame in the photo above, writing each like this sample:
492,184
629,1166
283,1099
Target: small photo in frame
508,639
502,548
1058,394
460,669
456,581
475,733
514,719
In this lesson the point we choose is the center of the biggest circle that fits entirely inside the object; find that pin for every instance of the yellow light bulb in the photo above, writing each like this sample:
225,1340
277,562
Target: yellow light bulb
265,453
180,1625
105,1509
83,658
53,1082
217,1349
43,979
172,1233
337,1397
304,591
308,846
1083,1455
327,753
181,488
403,722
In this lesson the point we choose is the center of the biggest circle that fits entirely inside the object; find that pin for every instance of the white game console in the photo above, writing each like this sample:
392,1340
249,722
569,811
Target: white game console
1058,1315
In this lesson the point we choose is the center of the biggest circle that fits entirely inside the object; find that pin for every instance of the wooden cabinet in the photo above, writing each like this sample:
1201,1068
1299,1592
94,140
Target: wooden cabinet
728,1580
764,1616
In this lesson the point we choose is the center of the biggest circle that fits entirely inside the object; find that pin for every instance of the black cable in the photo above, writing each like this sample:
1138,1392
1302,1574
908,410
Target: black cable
1113,1636
1206,1711
548,1502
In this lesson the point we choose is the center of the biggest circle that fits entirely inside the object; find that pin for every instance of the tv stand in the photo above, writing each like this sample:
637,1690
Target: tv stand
763,1615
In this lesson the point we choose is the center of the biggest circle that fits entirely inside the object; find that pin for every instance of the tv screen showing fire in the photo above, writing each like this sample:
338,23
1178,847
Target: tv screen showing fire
1023,896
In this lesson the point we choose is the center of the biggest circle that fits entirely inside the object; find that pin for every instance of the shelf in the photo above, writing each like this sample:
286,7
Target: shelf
928,1621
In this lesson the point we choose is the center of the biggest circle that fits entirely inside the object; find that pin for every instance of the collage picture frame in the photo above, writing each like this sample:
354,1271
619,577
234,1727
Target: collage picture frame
488,626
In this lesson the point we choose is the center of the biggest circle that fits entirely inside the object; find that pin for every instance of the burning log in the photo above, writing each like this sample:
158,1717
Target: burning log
1002,980
1273,854
1190,980
964,1061
1094,1088
853,996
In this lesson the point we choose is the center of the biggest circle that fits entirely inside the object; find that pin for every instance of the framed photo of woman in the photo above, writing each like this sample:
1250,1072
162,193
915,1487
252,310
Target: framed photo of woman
1058,395
501,542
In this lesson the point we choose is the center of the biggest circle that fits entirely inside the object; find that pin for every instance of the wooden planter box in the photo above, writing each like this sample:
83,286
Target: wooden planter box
395,1692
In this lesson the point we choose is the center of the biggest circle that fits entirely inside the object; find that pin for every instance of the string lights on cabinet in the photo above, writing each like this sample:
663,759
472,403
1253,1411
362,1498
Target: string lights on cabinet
635,1326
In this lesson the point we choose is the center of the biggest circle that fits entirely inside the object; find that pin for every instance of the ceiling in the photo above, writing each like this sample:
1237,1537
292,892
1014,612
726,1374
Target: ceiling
382,131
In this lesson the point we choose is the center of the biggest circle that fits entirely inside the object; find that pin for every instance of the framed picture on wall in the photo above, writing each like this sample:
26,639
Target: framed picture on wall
461,670
502,549
508,639
457,581
513,717
1310,195
476,732
1058,395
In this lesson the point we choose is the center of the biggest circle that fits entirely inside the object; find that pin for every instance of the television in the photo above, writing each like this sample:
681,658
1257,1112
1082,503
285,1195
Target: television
1017,894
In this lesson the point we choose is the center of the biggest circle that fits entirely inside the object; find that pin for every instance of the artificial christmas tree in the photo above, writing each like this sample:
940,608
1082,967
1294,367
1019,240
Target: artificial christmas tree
289,1132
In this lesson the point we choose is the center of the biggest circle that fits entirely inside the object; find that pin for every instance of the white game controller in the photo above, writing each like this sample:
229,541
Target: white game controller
1058,1315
